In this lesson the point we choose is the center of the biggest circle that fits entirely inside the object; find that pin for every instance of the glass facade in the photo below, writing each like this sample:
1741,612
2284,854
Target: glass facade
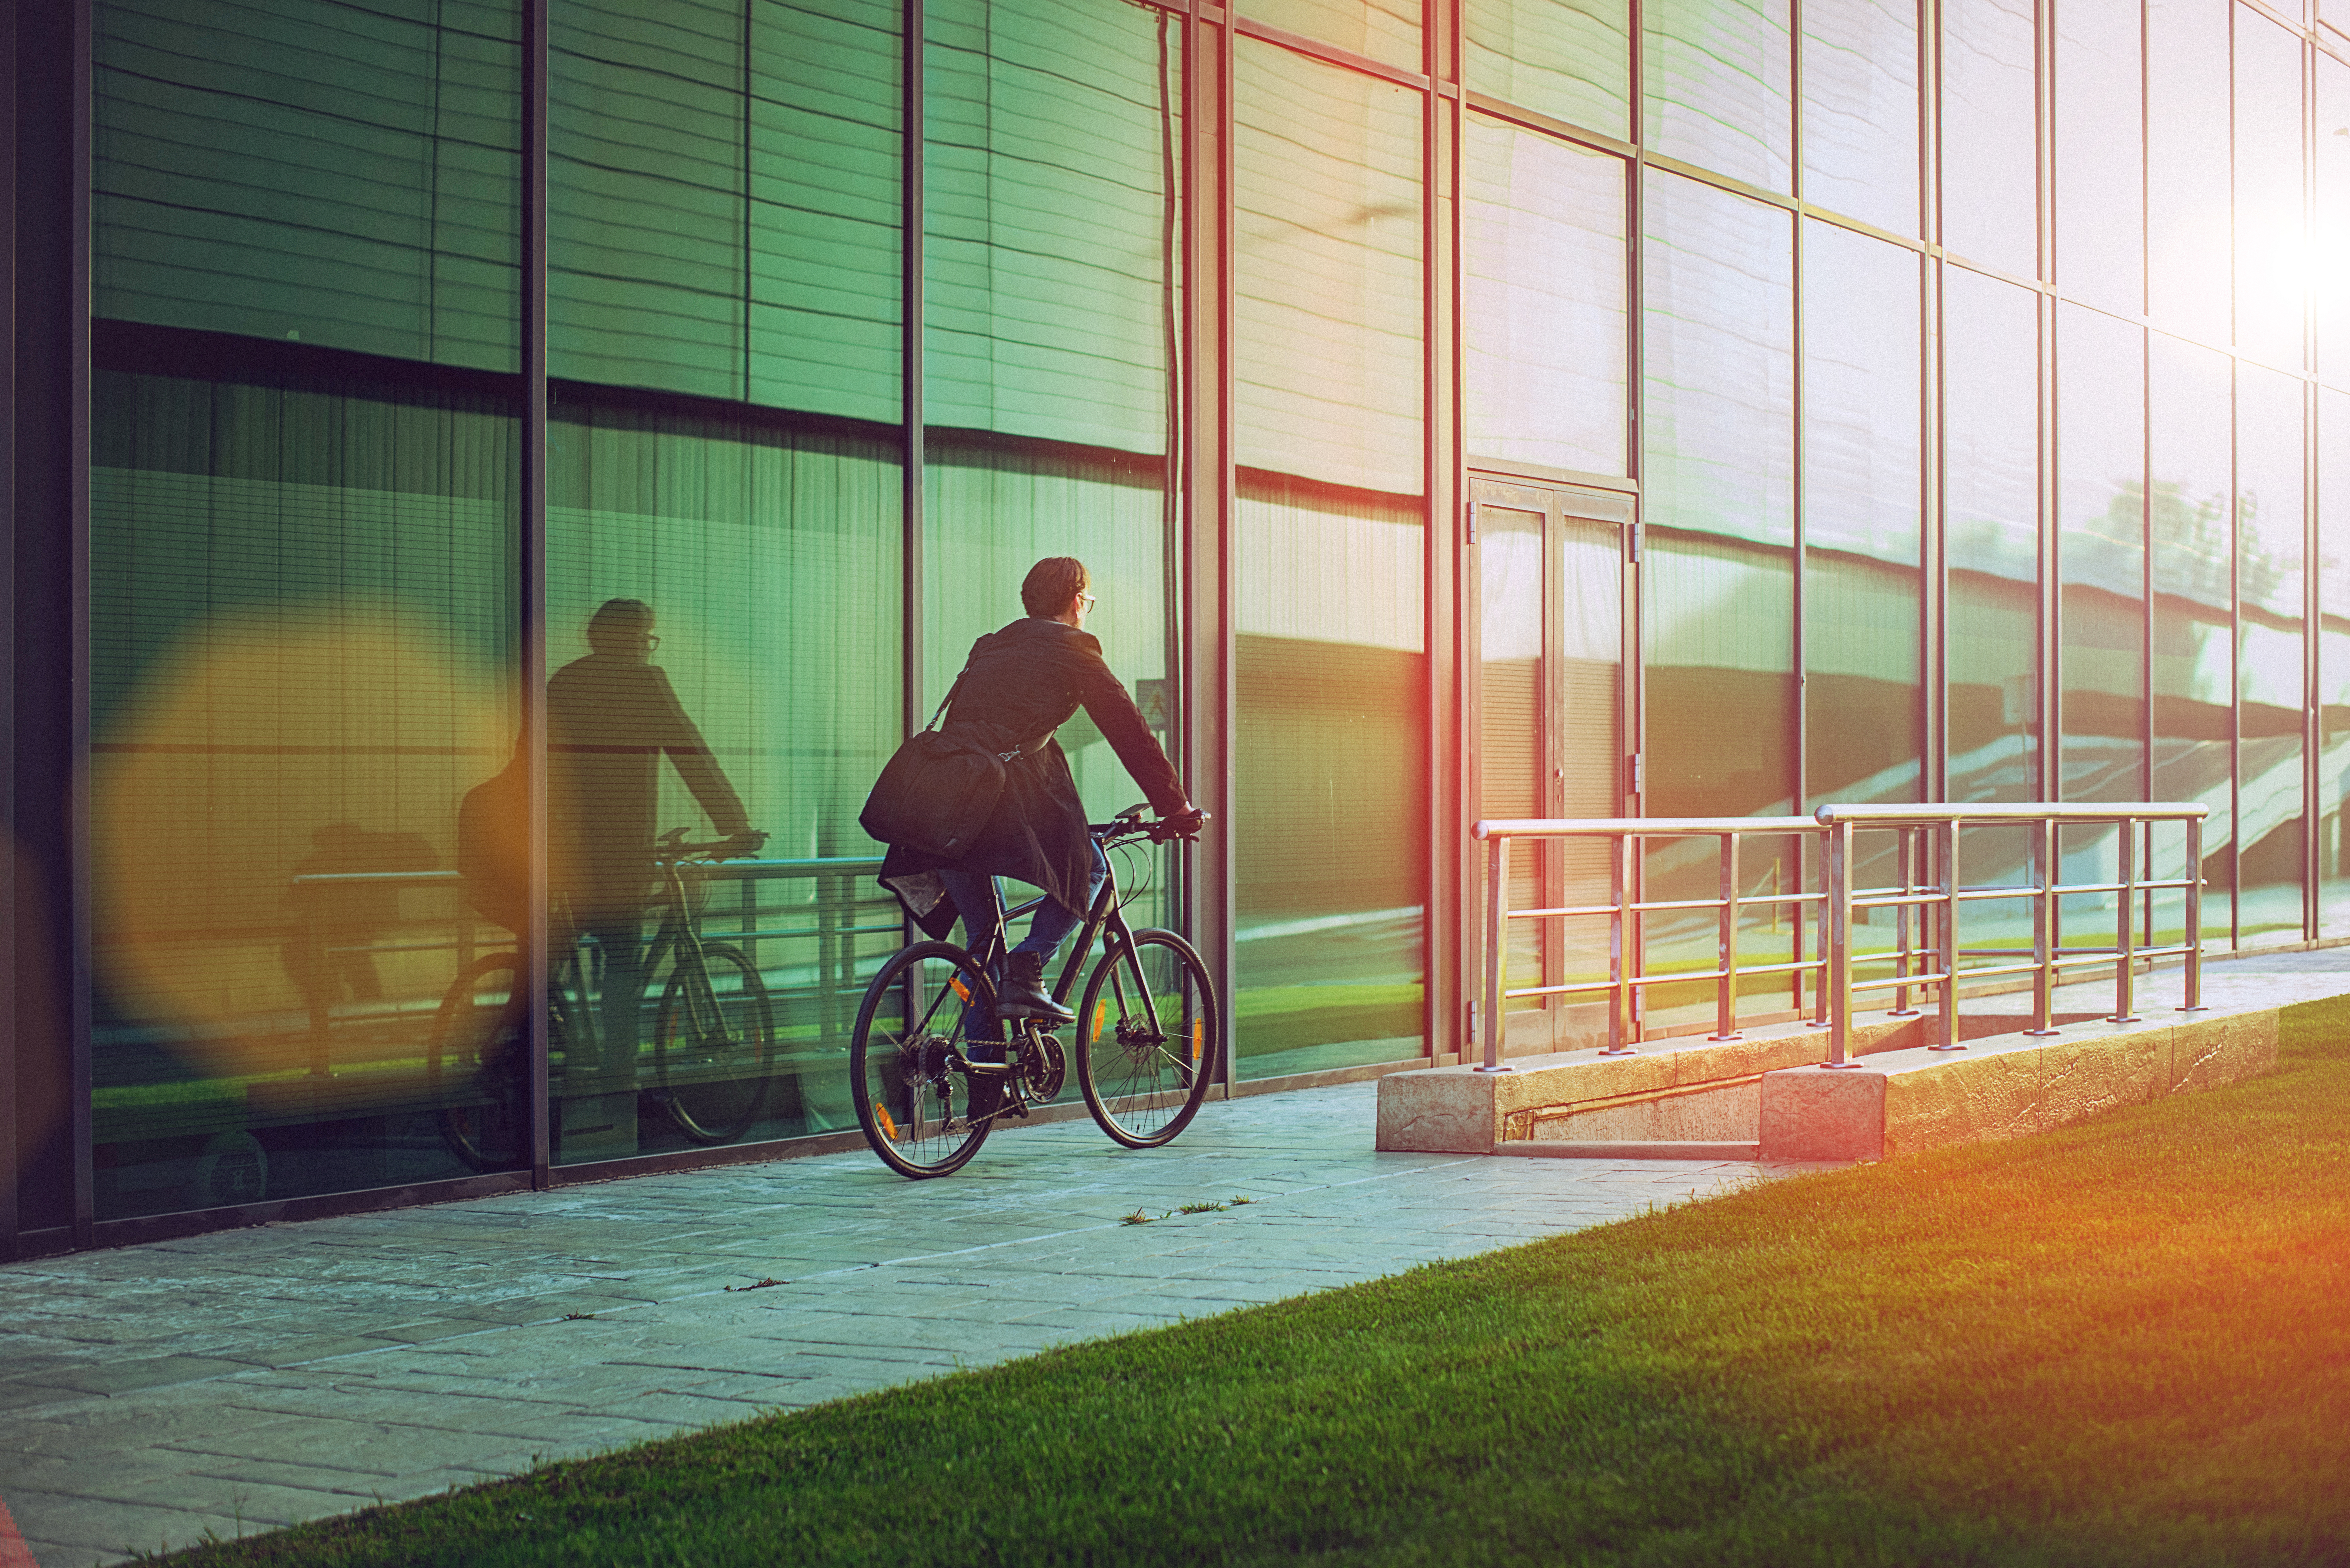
1862,403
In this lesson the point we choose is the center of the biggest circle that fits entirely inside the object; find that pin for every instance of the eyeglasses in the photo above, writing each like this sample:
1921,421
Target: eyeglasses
651,642
1086,602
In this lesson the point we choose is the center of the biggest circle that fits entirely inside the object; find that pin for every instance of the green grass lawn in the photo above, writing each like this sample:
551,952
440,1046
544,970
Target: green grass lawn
2127,1342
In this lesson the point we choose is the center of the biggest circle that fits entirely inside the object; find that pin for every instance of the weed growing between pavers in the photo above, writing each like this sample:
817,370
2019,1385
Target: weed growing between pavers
2123,1343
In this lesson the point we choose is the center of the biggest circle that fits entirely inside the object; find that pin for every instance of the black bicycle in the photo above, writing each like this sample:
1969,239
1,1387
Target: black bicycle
933,1072
713,1046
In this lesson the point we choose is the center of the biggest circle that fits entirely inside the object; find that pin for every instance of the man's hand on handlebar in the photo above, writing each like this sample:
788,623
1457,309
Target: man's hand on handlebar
1185,824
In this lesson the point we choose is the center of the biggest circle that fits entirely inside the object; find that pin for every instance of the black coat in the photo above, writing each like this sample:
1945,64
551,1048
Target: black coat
1020,685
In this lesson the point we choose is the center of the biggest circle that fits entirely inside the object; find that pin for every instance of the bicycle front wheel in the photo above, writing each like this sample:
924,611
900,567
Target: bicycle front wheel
714,1045
474,1068
1148,1037
907,1062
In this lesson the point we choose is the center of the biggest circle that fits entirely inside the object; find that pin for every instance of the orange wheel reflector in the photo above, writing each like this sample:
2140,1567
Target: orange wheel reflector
1101,1011
959,988
1196,1024
887,1125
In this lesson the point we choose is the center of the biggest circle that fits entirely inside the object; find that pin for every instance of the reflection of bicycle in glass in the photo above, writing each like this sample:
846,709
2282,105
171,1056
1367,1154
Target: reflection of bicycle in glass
931,1074
713,1036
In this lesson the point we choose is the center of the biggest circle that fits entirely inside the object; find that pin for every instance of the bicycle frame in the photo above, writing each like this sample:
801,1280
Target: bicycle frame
1108,915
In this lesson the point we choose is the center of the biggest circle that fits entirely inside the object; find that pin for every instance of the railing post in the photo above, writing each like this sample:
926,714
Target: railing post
1946,931
1725,1000
2044,925
1907,867
2126,924
1820,1009
1497,950
2194,1002
1618,932
1837,993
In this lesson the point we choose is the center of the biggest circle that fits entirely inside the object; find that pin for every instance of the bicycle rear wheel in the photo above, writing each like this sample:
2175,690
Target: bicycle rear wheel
714,1045
1148,1036
907,1060
474,1067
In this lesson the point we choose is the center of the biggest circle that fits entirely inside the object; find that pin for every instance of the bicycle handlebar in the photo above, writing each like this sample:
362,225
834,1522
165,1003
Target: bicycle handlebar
1127,824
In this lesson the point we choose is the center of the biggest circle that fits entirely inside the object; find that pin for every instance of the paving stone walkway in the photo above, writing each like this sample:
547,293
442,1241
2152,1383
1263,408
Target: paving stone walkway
248,1379
253,1378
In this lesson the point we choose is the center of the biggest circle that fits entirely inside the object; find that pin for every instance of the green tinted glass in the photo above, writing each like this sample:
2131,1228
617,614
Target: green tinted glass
345,175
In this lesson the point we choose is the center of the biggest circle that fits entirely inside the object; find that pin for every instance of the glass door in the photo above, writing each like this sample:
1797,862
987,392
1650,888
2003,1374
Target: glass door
1554,593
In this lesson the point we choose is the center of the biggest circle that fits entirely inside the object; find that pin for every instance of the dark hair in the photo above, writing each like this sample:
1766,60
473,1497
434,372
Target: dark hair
615,619
1052,583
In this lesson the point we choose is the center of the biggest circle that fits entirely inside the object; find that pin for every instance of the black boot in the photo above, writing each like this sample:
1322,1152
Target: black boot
1021,993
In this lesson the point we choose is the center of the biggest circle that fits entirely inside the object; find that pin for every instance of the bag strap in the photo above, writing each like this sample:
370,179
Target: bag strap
945,701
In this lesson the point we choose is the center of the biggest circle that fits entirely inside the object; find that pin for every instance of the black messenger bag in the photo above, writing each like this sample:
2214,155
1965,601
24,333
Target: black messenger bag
937,792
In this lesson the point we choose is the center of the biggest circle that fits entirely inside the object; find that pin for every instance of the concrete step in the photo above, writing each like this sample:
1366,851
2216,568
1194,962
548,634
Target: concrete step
1771,1094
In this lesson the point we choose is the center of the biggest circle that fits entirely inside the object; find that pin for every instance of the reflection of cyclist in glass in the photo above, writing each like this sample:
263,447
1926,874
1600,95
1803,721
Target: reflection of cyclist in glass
1023,683
609,718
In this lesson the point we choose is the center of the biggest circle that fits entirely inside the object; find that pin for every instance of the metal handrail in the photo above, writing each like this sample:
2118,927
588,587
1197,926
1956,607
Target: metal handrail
2043,889
1622,833
1935,903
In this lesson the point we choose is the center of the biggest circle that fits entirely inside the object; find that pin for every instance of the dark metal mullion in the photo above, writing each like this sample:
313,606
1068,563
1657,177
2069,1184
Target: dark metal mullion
12,978
535,962
1224,961
2049,698
2312,817
1934,664
1444,909
911,152
747,248
2235,548
77,388
1800,651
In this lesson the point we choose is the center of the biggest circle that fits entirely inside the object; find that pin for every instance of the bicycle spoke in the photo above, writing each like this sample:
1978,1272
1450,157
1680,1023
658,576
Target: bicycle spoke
1149,1035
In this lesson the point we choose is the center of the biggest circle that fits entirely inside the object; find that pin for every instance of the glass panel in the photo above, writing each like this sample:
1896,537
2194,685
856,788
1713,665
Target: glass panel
1717,86
1990,505
2194,658
2270,555
1571,59
2332,238
2334,655
647,222
1860,110
1718,574
1330,538
1052,309
661,233
302,614
1991,168
2272,259
2188,265
2101,555
1053,306
1865,700
1511,777
1544,301
330,175
694,532
2099,210
1386,30
825,207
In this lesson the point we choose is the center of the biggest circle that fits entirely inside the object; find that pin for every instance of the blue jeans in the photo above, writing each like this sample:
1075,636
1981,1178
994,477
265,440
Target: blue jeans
981,904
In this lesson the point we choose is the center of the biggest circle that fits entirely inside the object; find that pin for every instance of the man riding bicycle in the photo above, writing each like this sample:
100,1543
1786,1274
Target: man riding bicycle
1021,684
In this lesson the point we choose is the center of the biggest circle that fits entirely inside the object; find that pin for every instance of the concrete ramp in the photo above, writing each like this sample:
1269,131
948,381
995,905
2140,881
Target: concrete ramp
1768,1096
